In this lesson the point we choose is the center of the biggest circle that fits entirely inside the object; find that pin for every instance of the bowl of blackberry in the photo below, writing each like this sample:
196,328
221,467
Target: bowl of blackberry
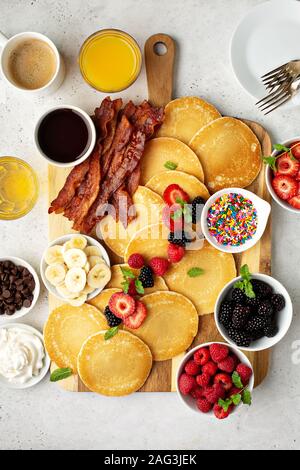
253,311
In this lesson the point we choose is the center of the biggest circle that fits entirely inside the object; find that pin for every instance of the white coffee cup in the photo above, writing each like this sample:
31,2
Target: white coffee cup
8,45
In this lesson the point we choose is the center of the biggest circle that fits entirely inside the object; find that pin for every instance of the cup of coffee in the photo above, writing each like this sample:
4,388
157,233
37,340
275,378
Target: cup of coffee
31,63
65,136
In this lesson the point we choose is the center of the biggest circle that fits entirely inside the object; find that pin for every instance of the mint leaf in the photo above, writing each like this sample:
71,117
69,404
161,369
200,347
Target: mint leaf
245,285
111,332
225,404
236,399
127,273
239,285
246,397
280,147
170,165
236,379
271,161
139,287
248,289
177,214
195,272
245,273
60,374
125,285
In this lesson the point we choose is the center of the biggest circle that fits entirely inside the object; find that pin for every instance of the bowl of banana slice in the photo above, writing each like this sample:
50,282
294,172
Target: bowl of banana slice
75,268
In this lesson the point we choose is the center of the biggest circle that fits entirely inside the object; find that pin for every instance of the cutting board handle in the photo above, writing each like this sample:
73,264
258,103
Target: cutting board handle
159,59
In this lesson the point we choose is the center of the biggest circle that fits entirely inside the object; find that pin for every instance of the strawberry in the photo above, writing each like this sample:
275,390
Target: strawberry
122,305
287,166
202,356
285,187
186,384
197,393
218,352
203,380
159,266
175,253
174,194
295,202
191,368
132,289
210,368
174,223
204,405
227,365
220,413
245,373
136,261
224,380
296,150
137,318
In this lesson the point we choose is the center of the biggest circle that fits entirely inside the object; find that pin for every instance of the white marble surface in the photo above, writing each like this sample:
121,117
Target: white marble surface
45,417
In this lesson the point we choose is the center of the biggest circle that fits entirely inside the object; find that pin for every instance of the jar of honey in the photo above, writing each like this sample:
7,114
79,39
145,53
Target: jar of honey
18,188
110,60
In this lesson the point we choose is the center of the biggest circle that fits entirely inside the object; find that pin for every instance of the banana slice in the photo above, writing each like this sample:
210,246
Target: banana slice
75,258
88,290
55,274
87,267
99,276
54,255
93,260
93,251
64,292
75,280
78,301
78,241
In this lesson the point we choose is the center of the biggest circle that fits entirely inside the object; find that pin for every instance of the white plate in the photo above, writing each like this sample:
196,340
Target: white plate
43,371
266,38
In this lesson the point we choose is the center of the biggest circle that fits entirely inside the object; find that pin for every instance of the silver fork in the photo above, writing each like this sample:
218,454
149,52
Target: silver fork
284,92
281,75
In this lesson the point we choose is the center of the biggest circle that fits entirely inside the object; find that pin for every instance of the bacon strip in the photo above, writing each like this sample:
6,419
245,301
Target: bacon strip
122,201
147,119
133,180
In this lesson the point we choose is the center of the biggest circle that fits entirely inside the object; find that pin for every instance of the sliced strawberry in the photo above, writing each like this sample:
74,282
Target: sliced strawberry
122,305
295,202
171,218
173,194
295,147
287,166
135,320
285,187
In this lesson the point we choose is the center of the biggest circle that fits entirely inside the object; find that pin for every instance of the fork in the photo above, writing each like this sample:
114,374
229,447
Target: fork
282,74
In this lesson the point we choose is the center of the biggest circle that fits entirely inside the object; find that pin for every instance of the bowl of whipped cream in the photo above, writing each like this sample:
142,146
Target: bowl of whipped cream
23,358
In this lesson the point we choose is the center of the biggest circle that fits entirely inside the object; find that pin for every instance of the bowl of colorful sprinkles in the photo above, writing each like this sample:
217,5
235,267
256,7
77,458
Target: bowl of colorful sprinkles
234,219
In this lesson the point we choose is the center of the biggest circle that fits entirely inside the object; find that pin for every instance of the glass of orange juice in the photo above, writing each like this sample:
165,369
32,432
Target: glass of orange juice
18,188
110,60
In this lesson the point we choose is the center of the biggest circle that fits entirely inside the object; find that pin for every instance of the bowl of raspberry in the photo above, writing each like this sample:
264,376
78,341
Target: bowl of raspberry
215,379
254,311
283,174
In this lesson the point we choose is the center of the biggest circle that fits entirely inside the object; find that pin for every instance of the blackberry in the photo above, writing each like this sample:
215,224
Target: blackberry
146,277
257,323
225,314
240,338
265,309
261,289
179,238
252,302
112,320
238,296
197,207
240,316
271,330
256,335
278,302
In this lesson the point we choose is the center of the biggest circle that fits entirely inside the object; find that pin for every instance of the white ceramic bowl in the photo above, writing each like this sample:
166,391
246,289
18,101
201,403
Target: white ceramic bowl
43,371
36,292
189,401
263,211
91,139
269,178
285,316
60,241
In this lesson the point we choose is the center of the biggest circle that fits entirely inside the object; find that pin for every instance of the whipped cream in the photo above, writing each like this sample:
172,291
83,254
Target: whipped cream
21,355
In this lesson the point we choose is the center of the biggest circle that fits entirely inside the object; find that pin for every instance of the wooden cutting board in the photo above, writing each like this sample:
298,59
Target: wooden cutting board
160,86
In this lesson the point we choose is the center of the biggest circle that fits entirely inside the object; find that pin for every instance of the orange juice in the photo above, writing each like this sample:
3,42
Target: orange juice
110,60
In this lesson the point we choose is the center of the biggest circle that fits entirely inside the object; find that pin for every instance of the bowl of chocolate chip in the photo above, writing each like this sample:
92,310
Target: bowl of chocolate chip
19,288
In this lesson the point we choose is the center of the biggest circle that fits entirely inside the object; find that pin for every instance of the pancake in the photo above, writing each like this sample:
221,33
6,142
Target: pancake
148,207
230,154
150,241
101,300
219,268
166,149
185,116
117,279
170,326
66,330
115,367
190,184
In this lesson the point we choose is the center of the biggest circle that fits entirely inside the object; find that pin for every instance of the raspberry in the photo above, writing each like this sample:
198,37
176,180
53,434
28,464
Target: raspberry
224,380
203,380
175,253
210,368
159,266
218,352
214,393
235,360
136,261
227,365
233,391
202,356
197,393
191,368
186,384
204,405
245,373
220,413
